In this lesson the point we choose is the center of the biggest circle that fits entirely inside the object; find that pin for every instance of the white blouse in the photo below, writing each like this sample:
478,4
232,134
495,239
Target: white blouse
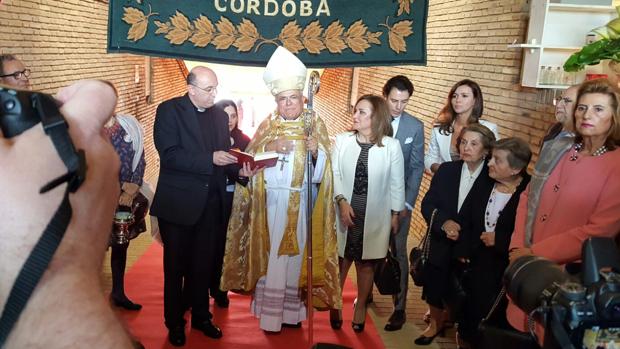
467,181
495,205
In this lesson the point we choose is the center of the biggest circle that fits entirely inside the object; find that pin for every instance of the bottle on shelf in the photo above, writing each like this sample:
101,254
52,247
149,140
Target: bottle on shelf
558,76
542,75
549,76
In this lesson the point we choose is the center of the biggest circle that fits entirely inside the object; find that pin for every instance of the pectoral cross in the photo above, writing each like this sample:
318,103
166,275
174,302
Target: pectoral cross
282,160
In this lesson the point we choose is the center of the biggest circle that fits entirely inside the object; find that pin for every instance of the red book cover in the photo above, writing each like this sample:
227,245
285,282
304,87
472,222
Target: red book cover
266,159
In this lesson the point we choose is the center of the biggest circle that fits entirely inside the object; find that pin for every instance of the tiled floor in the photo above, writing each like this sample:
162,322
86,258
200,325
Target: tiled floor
379,311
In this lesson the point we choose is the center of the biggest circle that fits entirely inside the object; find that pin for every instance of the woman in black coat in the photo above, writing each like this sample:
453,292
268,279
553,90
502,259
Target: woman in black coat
450,186
487,220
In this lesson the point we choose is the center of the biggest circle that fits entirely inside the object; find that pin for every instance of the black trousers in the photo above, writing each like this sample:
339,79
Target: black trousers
189,257
220,246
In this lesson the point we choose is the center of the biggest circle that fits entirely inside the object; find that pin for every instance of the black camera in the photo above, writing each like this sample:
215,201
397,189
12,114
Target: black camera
579,310
21,110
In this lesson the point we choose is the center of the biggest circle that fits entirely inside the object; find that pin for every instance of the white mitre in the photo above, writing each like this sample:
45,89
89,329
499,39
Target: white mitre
284,72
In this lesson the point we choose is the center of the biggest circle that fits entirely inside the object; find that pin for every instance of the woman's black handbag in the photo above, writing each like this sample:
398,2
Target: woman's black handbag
491,336
387,272
418,257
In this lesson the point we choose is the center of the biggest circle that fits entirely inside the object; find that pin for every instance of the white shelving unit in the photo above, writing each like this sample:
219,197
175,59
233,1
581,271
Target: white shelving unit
557,30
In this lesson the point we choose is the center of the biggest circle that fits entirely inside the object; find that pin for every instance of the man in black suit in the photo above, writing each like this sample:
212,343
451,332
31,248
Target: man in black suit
192,138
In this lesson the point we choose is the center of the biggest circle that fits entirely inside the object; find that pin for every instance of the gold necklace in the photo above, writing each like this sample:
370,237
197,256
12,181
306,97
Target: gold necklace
510,188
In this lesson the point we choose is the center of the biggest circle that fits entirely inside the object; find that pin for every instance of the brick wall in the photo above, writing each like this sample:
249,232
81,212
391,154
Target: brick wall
62,41
465,39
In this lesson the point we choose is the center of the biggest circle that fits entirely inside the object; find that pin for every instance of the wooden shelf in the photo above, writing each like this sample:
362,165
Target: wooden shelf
555,31
581,8
562,48
556,87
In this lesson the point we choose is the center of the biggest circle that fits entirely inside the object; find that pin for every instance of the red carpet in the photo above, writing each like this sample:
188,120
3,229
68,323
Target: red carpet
144,285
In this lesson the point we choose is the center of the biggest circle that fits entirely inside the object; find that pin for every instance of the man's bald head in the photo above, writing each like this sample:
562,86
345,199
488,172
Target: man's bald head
202,87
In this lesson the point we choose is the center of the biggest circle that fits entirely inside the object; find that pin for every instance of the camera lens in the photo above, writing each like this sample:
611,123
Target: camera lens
530,279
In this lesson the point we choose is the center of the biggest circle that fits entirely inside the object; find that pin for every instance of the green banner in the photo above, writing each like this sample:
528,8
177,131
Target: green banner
323,33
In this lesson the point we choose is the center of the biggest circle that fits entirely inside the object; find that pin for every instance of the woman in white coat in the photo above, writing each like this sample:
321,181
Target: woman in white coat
463,107
369,191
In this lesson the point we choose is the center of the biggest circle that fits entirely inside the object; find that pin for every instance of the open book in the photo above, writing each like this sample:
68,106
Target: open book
266,159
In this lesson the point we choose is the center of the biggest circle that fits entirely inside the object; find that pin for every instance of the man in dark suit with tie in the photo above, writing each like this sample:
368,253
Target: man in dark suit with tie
192,138
410,133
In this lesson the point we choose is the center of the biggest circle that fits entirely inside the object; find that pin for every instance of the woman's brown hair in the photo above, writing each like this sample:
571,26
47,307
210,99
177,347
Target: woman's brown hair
380,119
447,115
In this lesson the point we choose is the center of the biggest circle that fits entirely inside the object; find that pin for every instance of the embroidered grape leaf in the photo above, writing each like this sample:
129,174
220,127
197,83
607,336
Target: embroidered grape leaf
138,22
333,40
226,36
404,6
311,38
289,36
203,33
248,36
181,29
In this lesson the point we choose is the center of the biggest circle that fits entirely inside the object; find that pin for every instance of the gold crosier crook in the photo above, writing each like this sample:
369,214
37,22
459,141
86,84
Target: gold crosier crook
313,87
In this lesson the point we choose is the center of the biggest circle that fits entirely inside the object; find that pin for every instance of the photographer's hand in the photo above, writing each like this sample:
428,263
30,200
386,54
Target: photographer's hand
515,253
70,288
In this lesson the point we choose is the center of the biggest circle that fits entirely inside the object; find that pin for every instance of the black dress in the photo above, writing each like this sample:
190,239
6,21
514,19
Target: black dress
442,196
487,265
355,235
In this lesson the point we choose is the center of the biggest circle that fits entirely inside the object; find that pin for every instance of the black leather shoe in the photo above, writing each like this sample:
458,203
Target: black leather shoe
423,340
208,328
297,325
176,336
396,321
126,304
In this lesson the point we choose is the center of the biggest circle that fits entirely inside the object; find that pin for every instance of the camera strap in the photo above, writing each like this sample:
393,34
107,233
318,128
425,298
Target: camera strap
558,331
56,127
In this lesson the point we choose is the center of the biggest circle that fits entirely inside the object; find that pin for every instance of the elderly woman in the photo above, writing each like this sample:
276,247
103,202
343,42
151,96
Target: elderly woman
487,221
463,107
369,191
449,188
126,135
575,191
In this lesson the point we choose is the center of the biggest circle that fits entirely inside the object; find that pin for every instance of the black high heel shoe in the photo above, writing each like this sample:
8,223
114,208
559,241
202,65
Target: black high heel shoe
423,340
126,304
358,327
335,323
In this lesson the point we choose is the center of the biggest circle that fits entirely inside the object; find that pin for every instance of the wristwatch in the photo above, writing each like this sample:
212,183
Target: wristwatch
339,198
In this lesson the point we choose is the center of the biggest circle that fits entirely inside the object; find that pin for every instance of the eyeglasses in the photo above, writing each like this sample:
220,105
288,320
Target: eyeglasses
208,89
24,74
566,100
